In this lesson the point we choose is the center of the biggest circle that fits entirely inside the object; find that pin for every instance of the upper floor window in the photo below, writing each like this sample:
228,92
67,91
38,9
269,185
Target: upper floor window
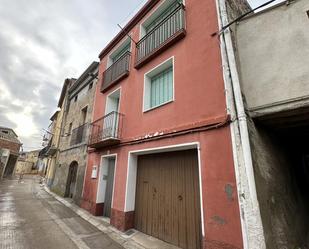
76,97
90,86
120,52
118,65
159,84
161,15
70,128
84,114
164,27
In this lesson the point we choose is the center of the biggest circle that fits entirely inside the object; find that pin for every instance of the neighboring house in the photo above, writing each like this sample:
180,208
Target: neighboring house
50,153
273,59
9,151
71,162
28,162
53,135
160,148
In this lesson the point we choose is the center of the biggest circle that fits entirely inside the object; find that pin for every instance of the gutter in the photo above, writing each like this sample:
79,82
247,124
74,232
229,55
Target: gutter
251,221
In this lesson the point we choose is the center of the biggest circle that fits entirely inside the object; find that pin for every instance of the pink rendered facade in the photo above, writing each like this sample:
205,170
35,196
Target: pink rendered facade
195,118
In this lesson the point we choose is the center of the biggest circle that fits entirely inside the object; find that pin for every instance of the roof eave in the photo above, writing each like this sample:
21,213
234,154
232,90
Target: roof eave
138,16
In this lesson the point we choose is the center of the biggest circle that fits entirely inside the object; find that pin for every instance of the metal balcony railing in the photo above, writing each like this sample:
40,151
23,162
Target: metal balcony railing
117,71
79,134
169,30
106,130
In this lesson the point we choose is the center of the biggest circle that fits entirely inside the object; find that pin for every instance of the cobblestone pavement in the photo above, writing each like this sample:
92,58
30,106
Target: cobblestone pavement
30,218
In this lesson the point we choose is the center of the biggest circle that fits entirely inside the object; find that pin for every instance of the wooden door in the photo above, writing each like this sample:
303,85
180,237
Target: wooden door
109,188
167,204
71,180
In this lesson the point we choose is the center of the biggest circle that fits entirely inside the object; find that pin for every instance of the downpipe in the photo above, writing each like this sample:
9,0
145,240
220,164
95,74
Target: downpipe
251,222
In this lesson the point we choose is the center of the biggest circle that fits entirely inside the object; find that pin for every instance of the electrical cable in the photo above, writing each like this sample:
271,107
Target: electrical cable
241,17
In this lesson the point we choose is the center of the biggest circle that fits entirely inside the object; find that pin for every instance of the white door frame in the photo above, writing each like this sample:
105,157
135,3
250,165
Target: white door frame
101,187
132,173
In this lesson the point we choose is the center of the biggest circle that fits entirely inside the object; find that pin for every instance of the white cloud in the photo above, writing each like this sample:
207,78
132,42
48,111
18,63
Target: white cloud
41,44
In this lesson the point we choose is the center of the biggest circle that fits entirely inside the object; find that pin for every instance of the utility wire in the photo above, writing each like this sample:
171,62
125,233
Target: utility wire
241,17
134,11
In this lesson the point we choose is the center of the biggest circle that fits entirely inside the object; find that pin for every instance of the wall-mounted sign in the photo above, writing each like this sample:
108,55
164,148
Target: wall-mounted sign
94,172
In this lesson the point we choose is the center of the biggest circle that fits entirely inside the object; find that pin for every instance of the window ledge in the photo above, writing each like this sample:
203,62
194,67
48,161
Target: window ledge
155,107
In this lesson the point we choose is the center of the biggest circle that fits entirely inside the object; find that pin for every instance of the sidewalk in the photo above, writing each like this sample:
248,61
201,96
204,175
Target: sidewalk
132,239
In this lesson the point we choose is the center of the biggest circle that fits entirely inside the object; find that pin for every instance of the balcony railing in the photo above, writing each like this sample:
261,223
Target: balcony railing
106,131
116,72
163,35
79,134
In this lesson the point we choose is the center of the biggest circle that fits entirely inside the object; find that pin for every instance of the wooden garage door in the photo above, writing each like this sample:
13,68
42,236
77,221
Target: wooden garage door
167,202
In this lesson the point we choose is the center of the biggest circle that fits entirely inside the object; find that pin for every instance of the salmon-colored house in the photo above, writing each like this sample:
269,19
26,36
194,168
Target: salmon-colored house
160,158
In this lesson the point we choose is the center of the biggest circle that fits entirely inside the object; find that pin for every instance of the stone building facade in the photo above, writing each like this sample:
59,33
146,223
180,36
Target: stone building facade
27,162
71,163
54,133
9,151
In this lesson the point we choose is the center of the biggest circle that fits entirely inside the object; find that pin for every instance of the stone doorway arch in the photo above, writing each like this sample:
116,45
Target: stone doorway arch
71,180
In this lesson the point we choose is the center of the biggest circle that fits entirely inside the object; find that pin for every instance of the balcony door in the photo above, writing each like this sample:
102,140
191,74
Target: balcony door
110,125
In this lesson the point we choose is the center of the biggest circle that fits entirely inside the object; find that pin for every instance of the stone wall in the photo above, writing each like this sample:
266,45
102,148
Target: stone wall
236,8
69,153
284,213
78,154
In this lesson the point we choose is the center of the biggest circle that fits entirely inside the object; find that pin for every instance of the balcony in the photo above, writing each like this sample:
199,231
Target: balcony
163,35
79,135
106,131
116,72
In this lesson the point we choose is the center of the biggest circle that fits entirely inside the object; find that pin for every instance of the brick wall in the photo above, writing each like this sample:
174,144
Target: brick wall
13,147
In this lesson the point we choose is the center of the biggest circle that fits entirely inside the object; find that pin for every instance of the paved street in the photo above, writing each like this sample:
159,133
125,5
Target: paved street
31,218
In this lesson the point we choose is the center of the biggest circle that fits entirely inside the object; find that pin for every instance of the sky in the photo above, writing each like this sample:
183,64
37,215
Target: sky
44,42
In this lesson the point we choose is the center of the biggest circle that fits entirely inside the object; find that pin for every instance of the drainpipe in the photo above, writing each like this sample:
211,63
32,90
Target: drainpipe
251,222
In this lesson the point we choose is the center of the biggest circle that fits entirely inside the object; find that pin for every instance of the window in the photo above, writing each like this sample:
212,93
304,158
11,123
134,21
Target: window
163,28
70,129
163,11
76,97
161,16
90,86
123,48
120,53
159,85
84,114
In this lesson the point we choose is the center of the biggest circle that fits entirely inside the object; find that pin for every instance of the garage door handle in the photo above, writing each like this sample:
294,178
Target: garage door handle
179,197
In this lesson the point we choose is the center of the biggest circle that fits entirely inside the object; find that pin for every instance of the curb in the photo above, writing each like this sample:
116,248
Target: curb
121,238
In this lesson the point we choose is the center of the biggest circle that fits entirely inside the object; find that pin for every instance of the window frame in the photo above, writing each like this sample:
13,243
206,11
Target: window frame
154,15
170,62
118,49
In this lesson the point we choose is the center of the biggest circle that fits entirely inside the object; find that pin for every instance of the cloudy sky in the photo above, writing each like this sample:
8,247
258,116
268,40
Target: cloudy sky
44,42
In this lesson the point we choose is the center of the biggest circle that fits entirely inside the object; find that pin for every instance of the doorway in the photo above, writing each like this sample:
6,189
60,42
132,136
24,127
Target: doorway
106,184
71,180
110,128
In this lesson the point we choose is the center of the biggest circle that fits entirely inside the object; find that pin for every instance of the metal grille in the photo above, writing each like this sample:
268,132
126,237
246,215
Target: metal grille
110,126
79,134
116,71
161,33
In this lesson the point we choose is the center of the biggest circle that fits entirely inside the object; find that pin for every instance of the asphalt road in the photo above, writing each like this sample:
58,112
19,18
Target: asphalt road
30,218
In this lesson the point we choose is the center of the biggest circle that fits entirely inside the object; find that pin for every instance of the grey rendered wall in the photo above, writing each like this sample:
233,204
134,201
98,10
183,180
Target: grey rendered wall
283,214
273,52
